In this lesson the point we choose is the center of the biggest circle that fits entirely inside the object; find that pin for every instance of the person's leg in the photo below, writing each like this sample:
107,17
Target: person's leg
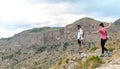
80,46
105,49
108,53
102,47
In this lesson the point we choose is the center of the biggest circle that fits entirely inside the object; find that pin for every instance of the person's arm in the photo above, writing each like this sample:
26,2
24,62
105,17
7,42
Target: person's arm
95,32
109,25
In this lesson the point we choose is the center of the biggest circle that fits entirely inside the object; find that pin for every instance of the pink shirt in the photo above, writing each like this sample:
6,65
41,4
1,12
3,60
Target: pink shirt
103,33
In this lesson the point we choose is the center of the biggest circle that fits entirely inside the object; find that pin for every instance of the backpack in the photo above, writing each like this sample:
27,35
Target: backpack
106,34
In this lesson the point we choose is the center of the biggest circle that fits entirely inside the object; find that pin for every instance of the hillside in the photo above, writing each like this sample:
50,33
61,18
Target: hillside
43,47
90,59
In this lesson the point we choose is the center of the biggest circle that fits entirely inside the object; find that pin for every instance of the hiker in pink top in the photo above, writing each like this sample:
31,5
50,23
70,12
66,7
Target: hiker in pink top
103,35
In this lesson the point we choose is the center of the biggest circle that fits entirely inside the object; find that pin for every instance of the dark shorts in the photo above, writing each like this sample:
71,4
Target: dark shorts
80,42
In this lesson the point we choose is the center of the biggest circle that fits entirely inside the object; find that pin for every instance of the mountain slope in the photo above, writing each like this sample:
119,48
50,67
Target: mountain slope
90,59
43,47
117,22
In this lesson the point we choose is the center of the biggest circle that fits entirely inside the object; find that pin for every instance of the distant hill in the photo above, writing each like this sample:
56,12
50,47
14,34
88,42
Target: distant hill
43,47
117,22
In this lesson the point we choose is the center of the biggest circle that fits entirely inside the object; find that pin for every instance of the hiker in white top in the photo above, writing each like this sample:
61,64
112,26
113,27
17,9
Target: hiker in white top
80,33
80,37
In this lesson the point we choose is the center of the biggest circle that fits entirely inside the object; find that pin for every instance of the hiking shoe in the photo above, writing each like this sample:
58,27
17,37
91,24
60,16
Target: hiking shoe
101,56
108,54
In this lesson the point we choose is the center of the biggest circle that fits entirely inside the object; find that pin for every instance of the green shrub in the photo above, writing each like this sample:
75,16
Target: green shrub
93,48
60,62
67,60
41,49
111,48
93,62
66,44
18,52
9,56
55,46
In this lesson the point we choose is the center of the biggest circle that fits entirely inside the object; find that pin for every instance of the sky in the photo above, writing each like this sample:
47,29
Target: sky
20,15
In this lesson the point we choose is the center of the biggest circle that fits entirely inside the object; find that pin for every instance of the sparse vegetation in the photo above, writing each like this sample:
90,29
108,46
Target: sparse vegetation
55,46
111,49
18,52
43,29
93,62
66,44
6,38
62,62
9,56
41,49
93,48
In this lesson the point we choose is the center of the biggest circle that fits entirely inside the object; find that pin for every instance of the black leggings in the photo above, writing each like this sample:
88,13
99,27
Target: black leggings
103,41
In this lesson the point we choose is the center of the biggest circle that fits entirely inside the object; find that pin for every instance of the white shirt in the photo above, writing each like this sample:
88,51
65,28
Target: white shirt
80,32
